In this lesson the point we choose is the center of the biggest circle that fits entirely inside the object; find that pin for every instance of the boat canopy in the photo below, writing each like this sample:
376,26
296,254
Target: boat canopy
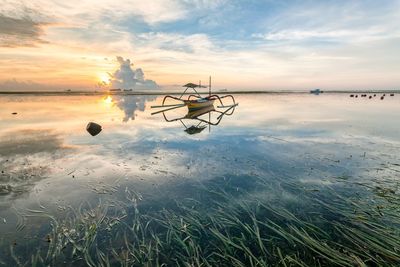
192,85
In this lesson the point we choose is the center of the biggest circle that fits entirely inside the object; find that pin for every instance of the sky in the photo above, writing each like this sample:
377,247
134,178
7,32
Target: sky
163,44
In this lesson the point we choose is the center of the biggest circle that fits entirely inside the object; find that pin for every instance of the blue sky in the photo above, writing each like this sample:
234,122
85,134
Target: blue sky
243,44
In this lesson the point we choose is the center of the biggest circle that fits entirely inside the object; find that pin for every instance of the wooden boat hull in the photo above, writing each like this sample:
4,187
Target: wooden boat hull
194,113
199,103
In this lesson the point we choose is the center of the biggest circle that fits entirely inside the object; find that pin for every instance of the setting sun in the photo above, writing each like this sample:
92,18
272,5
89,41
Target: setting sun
104,78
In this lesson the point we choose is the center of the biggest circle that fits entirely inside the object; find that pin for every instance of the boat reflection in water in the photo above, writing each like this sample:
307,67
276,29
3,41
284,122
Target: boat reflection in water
198,107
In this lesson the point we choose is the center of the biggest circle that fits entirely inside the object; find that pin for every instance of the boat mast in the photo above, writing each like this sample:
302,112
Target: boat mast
209,87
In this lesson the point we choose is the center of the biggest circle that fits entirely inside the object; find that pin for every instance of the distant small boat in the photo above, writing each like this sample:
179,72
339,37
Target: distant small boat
316,91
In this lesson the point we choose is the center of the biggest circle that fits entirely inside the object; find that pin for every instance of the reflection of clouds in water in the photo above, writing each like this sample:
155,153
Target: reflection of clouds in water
21,142
20,175
25,157
129,104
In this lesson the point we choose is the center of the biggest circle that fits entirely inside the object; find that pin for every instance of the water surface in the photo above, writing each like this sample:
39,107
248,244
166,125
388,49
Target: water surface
313,179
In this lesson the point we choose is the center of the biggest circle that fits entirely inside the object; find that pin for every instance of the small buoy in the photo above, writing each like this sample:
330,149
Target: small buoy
93,128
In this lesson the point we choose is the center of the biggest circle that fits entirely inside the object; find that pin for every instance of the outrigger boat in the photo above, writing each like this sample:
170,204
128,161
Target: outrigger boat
197,106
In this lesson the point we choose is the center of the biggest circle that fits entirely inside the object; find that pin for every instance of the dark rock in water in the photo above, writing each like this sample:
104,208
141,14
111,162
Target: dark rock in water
351,95
382,97
374,95
93,128
14,113
391,94
356,95
370,97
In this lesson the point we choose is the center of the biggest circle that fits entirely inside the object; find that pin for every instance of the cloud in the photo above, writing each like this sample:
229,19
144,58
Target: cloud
193,43
127,78
84,12
16,85
16,32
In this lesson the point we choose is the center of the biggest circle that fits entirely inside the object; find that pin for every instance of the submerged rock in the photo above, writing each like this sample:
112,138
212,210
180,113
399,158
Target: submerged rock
93,128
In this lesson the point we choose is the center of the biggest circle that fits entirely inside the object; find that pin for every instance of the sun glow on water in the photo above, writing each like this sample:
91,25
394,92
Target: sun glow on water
108,100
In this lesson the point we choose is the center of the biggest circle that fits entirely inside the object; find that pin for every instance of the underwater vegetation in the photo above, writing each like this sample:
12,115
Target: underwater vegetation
234,227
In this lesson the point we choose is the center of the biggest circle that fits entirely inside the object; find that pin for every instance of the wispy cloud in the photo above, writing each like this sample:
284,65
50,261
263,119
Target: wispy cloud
16,32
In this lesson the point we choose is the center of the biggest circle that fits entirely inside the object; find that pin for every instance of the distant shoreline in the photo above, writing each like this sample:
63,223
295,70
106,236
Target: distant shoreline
72,93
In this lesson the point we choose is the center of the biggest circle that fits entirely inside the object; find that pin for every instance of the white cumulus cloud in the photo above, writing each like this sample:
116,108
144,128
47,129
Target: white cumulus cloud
125,77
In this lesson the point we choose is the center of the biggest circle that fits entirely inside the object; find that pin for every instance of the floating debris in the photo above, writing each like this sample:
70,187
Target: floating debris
93,128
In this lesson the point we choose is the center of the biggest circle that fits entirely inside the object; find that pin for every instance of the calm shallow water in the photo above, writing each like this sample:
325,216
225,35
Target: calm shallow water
302,169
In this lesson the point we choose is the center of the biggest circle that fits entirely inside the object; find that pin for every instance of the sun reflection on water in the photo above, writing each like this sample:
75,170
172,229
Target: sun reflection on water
108,100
